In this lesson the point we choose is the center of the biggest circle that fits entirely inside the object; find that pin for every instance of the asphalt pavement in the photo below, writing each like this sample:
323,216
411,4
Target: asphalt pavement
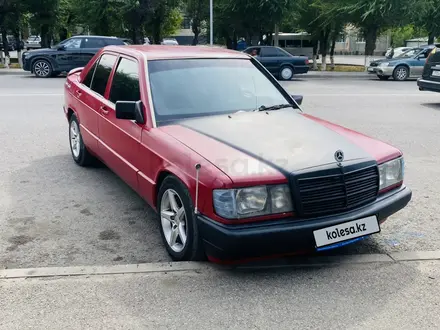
54,213
395,295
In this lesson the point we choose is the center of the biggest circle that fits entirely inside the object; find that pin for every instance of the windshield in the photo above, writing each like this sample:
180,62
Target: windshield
202,87
410,53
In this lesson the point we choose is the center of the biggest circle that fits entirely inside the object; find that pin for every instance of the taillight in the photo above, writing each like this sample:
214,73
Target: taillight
307,61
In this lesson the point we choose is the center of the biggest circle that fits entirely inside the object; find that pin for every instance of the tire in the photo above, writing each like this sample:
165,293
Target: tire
79,152
286,72
383,77
401,73
191,248
42,69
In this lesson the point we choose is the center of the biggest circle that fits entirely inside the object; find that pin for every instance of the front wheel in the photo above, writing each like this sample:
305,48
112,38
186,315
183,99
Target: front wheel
286,73
178,224
401,73
42,69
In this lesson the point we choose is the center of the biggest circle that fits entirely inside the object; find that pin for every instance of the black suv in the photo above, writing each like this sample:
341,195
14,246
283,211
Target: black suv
67,55
430,80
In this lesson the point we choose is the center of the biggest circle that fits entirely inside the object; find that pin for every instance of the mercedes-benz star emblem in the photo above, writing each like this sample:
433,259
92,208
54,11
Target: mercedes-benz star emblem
339,156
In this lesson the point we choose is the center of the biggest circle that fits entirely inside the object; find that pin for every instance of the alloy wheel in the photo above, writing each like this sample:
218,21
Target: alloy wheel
173,220
42,69
75,139
286,73
401,73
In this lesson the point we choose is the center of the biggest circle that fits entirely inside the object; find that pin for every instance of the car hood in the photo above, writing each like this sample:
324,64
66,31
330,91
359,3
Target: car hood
391,60
284,140
41,51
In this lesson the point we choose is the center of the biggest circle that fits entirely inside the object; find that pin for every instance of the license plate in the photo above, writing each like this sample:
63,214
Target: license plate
346,231
435,73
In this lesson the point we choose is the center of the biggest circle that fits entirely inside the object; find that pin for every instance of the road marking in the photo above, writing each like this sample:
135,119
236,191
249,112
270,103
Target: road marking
206,266
35,94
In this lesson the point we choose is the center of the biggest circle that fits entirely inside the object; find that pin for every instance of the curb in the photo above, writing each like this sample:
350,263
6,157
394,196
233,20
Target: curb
206,266
14,72
334,75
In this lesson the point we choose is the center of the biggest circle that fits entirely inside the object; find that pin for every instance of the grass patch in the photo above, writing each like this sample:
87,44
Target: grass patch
11,66
343,68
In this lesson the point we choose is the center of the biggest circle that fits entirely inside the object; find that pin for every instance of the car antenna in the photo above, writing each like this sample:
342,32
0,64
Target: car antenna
198,166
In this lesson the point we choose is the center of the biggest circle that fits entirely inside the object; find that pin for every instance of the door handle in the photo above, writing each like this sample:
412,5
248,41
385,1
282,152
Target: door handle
104,110
78,93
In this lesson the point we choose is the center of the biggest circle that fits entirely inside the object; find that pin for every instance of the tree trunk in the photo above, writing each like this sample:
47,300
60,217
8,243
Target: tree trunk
234,40
315,55
45,40
323,45
332,52
370,35
431,38
5,42
196,30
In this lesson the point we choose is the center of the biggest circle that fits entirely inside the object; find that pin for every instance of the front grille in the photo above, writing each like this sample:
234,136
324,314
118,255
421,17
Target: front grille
337,192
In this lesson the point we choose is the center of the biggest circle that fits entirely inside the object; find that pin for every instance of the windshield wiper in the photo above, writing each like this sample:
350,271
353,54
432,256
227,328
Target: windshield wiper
275,107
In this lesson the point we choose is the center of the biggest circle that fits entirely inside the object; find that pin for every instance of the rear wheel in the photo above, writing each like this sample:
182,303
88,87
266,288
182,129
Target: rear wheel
80,154
401,73
286,73
178,223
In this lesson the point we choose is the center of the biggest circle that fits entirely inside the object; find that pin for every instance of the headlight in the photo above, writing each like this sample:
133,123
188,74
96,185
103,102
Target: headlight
391,173
253,201
384,64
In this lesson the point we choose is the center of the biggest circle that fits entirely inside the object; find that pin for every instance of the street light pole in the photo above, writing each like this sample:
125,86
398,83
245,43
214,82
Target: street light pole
211,25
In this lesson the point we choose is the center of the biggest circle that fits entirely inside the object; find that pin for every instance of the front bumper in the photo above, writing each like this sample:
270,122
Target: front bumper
285,236
381,71
428,85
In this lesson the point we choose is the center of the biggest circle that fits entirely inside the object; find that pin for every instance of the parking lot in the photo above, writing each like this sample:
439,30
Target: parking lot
55,213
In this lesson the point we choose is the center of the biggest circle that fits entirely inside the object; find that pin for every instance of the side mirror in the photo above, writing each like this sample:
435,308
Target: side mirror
298,99
131,110
62,47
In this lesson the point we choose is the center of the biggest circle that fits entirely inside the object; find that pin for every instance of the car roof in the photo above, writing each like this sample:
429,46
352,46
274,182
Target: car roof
159,52
86,36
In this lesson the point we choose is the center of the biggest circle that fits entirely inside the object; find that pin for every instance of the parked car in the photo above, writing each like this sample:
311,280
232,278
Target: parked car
33,42
169,41
230,162
279,62
407,65
67,55
430,80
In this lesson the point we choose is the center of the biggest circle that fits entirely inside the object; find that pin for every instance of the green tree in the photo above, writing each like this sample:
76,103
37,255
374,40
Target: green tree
426,14
198,11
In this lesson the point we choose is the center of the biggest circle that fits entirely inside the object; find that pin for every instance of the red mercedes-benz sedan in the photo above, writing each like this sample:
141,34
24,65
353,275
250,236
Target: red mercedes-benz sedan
226,156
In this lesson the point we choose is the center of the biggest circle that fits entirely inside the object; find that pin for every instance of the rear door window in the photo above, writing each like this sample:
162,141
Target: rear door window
125,84
269,52
102,73
93,43
88,79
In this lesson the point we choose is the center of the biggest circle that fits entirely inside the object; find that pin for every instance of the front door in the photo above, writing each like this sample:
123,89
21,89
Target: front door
120,139
69,57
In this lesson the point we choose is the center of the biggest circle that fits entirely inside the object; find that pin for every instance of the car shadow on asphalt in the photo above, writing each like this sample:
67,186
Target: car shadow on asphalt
433,106
59,214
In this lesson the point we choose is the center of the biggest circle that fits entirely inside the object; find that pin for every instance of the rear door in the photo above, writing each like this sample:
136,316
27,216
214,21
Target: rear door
120,139
270,58
89,47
